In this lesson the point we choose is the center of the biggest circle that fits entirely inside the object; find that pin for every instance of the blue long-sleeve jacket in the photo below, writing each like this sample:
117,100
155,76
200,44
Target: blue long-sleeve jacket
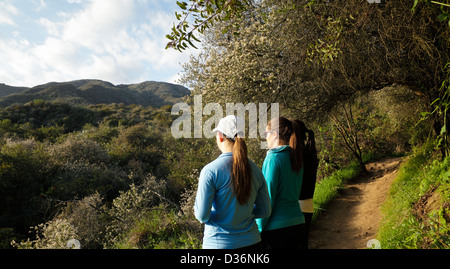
227,223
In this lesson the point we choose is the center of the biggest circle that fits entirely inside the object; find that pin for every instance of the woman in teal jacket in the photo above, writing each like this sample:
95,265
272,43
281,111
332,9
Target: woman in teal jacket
283,171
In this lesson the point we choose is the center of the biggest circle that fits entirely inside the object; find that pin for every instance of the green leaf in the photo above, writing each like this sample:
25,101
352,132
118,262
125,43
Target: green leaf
169,45
414,6
442,17
446,175
424,114
193,37
178,16
192,45
175,32
443,130
182,5
217,5
437,100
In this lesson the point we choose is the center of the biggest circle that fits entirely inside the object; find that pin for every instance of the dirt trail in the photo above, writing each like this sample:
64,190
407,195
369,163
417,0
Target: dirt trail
352,219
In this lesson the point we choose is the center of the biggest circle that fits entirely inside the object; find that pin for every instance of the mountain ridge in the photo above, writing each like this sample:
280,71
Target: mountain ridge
94,91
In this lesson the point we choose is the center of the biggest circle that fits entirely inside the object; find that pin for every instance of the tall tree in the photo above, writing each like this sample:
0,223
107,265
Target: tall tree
311,55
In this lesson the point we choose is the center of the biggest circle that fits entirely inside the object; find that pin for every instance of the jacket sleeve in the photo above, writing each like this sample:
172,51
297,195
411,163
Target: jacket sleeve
271,172
262,207
205,196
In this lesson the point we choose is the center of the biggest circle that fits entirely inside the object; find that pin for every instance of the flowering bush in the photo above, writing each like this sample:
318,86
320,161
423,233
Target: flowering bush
54,234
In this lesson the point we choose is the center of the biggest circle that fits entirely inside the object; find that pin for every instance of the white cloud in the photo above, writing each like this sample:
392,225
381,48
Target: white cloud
98,23
7,11
58,54
52,27
22,67
40,5
119,41
74,1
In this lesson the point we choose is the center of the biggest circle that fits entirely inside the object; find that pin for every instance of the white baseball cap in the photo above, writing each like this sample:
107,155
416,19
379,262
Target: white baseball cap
231,126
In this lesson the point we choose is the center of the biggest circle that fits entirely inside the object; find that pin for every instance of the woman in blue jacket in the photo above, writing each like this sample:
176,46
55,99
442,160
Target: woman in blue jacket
231,192
283,171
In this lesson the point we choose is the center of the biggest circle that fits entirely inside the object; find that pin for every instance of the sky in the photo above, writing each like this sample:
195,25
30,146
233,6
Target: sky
120,41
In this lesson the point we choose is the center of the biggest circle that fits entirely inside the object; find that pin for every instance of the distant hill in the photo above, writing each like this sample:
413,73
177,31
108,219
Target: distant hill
7,90
89,91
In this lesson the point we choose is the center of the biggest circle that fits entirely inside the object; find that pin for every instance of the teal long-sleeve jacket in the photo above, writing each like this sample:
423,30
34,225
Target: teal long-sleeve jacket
284,186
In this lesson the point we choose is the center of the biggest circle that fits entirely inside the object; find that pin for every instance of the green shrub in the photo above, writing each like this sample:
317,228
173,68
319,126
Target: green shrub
8,235
24,170
162,229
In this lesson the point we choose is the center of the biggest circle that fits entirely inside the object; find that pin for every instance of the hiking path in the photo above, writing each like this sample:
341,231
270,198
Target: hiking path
352,219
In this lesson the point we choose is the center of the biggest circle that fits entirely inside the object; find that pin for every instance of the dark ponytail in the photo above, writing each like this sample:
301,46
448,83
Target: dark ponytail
241,174
289,134
309,144
310,161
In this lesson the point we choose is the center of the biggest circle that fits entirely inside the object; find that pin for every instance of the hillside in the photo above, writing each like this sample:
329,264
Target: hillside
86,92
7,90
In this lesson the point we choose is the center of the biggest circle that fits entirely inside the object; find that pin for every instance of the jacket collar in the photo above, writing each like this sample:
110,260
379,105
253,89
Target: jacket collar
279,149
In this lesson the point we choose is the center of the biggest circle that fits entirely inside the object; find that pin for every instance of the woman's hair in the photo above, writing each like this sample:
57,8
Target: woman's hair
241,173
309,146
289,134
310,161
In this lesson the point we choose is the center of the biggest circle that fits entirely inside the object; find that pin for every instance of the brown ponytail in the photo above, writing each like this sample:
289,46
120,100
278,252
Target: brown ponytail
289,134
241,175
296,147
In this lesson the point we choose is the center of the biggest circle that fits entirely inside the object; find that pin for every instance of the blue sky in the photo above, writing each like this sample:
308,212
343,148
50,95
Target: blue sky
120,41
